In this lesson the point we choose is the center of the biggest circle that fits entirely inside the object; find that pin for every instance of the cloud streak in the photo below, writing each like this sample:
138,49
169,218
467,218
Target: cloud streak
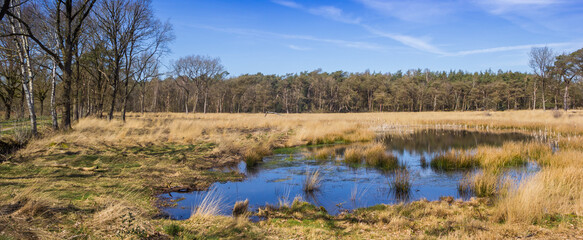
424,11
298,48
509,48
413,42
265,34
401,10
337,14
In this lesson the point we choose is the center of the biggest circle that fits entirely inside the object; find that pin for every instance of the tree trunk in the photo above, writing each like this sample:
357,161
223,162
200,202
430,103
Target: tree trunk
534,97
8,110
26,70
566,98
53,99
543,95
205,99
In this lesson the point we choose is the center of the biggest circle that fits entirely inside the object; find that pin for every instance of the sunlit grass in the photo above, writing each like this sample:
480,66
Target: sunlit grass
210,205
401,182
481,184
454,159
313,181
376,156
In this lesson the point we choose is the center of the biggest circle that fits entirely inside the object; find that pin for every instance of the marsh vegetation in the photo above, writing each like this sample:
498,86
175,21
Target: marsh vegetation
108,176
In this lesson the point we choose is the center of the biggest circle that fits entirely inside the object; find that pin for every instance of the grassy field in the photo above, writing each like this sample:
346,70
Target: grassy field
100,180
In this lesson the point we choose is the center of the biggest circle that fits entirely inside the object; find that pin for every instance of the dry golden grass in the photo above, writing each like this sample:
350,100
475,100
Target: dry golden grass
95,203
454,160
376,155
481,183
325,153
313,181
556,189
353,155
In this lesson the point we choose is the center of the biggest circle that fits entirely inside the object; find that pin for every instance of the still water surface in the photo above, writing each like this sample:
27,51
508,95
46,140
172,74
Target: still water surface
280,177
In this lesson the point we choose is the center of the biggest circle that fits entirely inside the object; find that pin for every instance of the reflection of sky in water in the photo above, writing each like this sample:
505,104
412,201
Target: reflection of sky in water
280,177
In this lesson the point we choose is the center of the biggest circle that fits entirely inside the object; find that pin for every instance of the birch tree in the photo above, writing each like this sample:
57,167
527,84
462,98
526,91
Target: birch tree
23,48
541,61
68,18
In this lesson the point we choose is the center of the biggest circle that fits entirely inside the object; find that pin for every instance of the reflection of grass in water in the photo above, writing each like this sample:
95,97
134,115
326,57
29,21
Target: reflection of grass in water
401,183
423,162
280,180
356,195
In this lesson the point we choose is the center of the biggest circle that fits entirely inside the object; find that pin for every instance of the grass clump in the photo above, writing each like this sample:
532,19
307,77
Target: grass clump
376,156
401,182
241,208
325,154
210,205
511,154
482,184
454,159
312,182
173,229
353,155
254,155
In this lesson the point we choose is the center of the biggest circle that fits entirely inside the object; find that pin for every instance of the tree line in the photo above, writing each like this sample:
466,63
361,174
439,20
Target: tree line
84,58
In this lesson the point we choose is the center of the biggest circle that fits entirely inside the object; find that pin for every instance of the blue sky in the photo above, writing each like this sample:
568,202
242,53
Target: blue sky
283,36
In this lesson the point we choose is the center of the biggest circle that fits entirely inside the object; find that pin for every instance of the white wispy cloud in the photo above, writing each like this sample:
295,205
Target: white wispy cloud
333,13
425,11
337,14
294,47
415,11
410,41
504,6
511,48
329,12
289,4
265,34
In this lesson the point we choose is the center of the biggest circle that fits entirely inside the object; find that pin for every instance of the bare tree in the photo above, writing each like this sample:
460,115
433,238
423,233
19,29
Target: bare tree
68,18
134,39
23,47
201,71
541,61
148,42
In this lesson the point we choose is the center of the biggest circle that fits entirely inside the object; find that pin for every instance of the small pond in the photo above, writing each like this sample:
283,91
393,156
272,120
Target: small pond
280,177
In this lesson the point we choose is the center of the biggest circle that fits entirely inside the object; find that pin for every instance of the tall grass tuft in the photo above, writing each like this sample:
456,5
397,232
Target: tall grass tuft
210,205
241,208
555,190
376,156
482,184
401,182
254,155
325,154
454,159
353,155
511,154
313,181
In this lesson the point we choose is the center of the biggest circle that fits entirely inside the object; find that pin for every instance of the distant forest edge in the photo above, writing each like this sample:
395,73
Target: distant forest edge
95,58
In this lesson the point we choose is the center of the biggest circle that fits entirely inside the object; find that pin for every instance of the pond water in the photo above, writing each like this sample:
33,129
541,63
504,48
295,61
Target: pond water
279,179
